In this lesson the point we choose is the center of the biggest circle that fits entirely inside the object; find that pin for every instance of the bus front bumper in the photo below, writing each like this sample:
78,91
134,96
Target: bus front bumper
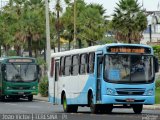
20,92
108,99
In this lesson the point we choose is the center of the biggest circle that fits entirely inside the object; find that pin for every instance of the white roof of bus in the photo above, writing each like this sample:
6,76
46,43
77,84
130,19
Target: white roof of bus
90,49
75,51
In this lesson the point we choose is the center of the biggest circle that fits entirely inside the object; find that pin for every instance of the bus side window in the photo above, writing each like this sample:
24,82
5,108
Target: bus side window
91,62
83,63
61,70
75,65
67,68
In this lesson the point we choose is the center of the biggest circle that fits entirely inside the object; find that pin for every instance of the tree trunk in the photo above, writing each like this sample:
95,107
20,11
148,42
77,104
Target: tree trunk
18,51
79,43
89,43
58,32
30,45
35,52
44,54
69,47
129,36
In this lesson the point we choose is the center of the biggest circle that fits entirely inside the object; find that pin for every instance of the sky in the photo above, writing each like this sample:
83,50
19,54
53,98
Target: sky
149,5
109,5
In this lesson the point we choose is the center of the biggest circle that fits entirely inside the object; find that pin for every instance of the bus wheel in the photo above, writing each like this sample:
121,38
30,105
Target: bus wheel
30,97
3,98
66,108
93,107
137,108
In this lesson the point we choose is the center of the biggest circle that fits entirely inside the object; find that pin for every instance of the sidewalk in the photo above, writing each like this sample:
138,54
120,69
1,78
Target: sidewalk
40,98
149,107
152,107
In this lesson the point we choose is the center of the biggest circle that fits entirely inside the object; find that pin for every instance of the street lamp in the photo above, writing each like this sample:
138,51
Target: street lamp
48,52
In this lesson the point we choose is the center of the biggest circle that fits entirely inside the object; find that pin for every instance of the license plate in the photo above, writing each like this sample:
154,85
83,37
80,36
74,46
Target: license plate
129,100
20,92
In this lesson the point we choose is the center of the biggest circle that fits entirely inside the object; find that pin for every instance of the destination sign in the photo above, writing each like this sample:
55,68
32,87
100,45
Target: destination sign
126,49
19,60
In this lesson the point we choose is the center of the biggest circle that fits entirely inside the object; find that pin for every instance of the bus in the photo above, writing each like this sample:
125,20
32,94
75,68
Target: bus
19,77
103,77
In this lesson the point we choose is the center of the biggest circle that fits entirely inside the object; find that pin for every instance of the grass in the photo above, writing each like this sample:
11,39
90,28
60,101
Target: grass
157,96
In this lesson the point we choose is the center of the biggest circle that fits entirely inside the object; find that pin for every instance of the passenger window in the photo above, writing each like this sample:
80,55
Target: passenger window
61,70
83,63
91,62
67,65
75,65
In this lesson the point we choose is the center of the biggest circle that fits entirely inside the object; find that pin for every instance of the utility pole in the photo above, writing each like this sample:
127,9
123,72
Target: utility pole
75,32
48,46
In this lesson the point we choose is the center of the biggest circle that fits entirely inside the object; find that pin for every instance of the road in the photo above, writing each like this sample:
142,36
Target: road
39,110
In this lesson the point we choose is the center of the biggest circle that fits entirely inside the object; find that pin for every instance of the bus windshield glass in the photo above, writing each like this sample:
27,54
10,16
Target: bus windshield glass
128,68
21,72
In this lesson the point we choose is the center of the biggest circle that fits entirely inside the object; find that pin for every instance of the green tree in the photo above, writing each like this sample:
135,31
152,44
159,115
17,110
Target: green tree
129,21
90,23
58,24
23,22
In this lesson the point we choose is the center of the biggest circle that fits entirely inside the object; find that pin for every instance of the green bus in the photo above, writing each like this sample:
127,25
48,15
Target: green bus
19,77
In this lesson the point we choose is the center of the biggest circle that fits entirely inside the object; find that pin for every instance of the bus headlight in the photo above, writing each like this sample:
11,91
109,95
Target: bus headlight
150,92
7,88
110,91
34,87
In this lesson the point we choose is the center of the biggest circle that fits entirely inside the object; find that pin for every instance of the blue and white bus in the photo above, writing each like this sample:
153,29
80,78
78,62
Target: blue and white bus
103,76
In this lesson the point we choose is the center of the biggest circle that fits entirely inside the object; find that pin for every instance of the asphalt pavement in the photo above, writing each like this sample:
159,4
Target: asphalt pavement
150,107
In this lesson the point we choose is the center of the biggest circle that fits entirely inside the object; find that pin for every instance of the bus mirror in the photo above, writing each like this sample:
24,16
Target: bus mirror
156,65
3,68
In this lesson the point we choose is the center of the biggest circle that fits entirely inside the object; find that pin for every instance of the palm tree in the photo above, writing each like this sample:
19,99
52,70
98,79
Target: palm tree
129,21
58,23
91,23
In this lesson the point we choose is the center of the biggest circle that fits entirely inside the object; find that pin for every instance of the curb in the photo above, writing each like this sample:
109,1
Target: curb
38,97
152,107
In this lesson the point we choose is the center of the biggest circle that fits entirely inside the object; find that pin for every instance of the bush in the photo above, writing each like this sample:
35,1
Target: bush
12,53
43,86
158,83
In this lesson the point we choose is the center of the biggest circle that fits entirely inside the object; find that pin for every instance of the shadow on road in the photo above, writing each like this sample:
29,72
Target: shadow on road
16,100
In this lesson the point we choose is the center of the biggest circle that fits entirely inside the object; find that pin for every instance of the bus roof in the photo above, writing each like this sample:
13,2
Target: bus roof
93,49
76,51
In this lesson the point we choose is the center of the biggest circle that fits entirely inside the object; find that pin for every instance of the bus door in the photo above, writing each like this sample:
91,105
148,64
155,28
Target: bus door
99,75
56,90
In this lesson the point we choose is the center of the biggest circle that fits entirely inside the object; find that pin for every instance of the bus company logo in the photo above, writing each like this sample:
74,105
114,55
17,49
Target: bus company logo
150,117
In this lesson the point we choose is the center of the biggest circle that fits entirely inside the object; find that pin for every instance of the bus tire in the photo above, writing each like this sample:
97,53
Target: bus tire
30,97
3,98
137,108
66,108
93,107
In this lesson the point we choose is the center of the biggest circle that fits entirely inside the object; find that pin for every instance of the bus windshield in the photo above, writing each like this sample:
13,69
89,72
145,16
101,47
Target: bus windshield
128,68
21,72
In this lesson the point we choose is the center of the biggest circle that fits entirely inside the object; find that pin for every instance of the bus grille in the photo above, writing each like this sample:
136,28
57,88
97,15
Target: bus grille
21,88
130,91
